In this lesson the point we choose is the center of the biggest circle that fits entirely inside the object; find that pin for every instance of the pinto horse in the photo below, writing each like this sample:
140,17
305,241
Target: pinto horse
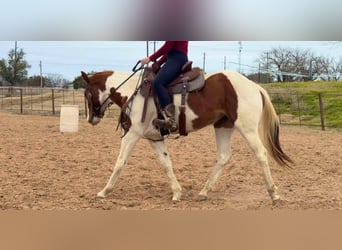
228,101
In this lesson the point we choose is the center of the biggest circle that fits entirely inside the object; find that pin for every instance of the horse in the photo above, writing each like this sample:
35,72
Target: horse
228,101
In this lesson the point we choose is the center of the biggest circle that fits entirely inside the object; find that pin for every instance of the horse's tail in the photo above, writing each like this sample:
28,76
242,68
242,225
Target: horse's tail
270,131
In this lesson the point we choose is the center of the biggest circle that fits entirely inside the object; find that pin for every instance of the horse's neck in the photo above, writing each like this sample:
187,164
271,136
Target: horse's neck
124,92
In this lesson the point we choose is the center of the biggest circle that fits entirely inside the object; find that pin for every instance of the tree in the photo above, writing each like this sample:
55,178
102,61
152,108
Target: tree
35,81
79,82
55,81
336,69
258,77
274,62
14,70
288,64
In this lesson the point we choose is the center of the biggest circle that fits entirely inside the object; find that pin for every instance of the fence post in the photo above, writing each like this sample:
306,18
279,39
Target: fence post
278,107
321,110
21,101
85,107
298,107
53,101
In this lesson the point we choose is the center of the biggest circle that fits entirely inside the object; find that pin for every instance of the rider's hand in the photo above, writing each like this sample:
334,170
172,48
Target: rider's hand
145,60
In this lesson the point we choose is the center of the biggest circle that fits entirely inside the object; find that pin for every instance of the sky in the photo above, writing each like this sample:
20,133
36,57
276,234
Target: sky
169,20
67,58
70,36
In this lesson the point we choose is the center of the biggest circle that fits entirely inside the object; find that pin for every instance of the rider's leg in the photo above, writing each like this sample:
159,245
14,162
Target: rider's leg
167,74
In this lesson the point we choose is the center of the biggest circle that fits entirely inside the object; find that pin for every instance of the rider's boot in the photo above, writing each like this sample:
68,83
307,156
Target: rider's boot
170,121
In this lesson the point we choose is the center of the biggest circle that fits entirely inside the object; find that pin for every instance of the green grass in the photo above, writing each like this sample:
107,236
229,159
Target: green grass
300,100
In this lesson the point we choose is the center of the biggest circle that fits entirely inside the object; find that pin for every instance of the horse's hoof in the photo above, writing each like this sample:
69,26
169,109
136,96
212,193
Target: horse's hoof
101,195
202,197
275,198
175,200
277,202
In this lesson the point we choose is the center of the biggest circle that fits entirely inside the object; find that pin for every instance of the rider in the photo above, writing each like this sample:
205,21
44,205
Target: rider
173,54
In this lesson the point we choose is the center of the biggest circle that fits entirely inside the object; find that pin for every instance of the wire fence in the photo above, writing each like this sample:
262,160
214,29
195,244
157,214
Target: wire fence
322,110
318,110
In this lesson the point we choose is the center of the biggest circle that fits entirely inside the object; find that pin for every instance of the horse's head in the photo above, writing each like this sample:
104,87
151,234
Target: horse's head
96,94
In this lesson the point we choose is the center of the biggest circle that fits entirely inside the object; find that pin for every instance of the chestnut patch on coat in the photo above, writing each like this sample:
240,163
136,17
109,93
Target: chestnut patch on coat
94,83
216,103
98,79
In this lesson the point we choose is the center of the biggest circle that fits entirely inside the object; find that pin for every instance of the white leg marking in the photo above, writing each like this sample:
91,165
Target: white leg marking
127,144
164,157
223,137
253,139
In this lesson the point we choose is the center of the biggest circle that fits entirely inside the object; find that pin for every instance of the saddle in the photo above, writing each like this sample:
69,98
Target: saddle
190,79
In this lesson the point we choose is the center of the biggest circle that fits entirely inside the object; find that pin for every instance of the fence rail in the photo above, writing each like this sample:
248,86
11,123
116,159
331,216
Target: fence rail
38,100
45,101
322,110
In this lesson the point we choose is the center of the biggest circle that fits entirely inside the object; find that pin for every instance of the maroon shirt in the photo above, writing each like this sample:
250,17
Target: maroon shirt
167,47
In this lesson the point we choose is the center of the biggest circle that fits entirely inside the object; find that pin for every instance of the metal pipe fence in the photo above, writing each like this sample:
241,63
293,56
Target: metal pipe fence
44,101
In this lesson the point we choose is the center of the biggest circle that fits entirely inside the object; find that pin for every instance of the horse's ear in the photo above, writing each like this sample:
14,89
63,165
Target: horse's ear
85,77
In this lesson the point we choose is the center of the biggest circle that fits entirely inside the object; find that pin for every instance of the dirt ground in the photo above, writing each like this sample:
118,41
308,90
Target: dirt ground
43,169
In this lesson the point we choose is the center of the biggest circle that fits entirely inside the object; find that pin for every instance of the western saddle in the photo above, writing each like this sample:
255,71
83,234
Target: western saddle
189,80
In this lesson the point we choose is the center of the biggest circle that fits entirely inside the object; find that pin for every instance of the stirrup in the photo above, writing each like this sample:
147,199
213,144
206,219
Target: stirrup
165,124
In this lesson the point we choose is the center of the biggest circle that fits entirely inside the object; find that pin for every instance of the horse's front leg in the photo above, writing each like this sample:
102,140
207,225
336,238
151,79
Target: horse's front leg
165,160
127,144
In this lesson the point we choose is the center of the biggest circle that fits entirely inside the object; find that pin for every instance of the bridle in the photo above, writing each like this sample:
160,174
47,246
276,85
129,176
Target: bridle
100,110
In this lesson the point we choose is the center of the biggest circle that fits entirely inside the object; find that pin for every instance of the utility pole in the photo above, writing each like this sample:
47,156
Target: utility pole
15,50
147,48
204,62
267,73
15,61
240,50
310,70
154,46
225,63
41,74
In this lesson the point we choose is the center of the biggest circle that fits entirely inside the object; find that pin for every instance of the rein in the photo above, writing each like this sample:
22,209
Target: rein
135,70
104,106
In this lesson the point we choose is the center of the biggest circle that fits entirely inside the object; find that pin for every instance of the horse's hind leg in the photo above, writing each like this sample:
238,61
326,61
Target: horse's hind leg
164,158
127,144
223,137
254,141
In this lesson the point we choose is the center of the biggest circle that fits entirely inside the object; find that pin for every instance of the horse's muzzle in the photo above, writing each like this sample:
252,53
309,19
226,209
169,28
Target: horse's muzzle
94,120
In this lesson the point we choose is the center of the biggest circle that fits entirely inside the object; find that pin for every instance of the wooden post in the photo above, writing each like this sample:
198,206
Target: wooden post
85,107
53,101
299,113
321,110
279,107
21,101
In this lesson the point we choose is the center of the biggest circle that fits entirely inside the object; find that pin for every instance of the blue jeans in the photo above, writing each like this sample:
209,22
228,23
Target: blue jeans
169,72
